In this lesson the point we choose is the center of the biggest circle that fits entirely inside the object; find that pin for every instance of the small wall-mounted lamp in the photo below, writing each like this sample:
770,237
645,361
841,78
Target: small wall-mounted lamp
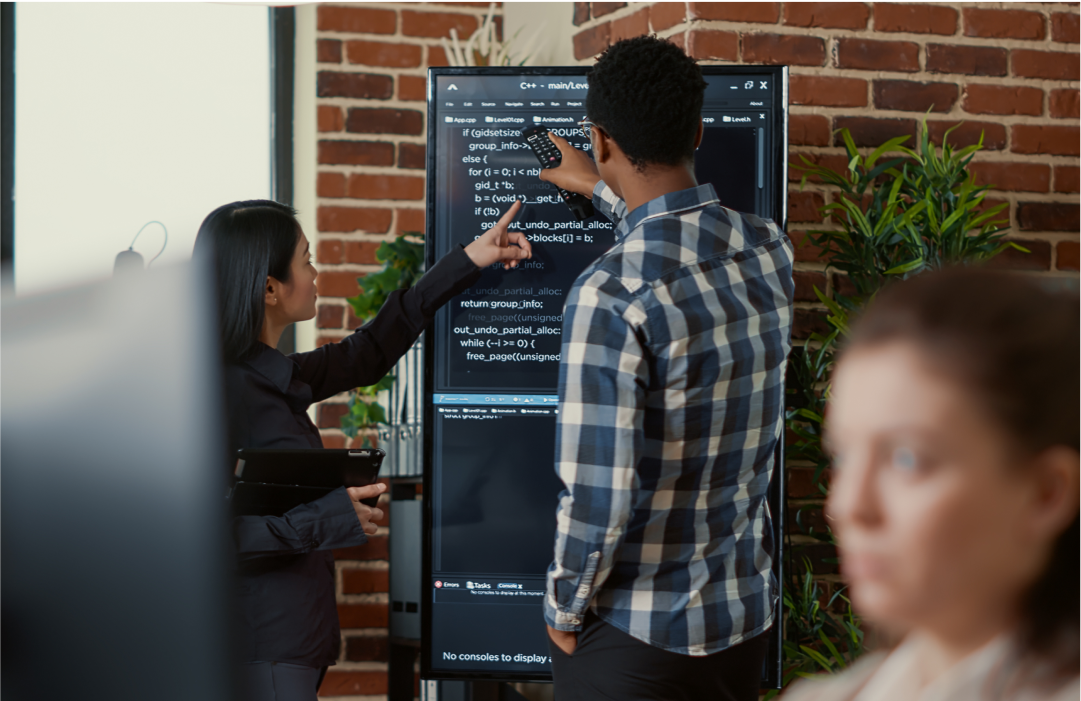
131,260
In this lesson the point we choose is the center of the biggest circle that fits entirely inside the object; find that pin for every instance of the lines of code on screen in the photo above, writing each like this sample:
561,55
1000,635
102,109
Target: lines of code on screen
504,332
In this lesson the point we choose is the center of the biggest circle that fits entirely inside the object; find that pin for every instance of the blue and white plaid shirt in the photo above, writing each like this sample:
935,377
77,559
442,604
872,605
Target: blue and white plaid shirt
671,396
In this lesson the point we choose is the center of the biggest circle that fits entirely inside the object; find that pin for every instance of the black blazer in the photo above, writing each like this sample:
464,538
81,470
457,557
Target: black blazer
286,606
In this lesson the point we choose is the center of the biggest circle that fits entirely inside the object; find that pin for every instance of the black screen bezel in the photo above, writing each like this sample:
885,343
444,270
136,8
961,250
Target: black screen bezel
779,151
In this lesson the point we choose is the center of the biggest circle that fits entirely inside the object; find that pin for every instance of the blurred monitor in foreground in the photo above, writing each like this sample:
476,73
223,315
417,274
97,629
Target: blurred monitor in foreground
112,517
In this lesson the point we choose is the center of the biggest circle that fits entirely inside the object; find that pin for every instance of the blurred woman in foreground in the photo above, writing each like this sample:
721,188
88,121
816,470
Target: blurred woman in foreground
953,426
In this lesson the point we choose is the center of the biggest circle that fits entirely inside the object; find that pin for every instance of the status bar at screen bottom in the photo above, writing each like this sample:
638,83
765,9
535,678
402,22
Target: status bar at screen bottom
471,399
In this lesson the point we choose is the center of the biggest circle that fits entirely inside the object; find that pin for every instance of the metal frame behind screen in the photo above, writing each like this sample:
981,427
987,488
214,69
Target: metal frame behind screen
778,207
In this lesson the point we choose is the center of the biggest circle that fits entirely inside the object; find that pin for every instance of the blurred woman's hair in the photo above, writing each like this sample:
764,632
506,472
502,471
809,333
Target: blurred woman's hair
247,242
1015,345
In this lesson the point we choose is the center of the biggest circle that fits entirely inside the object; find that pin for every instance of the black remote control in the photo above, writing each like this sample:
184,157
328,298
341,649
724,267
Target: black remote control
550,157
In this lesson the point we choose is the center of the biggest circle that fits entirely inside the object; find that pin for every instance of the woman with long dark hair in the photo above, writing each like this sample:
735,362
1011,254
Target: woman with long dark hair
953,426
288,619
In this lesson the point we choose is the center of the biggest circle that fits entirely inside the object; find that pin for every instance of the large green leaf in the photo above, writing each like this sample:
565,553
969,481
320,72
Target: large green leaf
887,147
850,145
817,657
905,267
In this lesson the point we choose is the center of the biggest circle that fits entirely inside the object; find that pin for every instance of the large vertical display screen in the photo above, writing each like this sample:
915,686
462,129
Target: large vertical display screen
492,355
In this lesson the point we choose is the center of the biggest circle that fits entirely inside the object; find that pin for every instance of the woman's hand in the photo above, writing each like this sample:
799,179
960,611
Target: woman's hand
576,172
366,514
494,246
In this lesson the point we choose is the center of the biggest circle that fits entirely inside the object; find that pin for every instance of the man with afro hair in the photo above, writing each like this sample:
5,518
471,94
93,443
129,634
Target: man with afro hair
670,386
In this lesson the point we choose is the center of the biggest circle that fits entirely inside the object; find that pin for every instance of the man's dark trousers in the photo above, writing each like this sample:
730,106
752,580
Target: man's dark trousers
610,664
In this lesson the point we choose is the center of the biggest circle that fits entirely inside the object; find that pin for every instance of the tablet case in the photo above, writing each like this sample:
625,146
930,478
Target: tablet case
271,482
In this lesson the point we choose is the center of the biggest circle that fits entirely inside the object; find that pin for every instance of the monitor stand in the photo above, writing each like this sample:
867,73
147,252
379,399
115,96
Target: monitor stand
477,691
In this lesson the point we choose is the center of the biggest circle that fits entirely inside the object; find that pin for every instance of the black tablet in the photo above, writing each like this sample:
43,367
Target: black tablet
271,482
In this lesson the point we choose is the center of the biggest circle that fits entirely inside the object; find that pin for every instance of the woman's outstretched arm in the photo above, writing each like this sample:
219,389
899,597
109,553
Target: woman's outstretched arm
364,357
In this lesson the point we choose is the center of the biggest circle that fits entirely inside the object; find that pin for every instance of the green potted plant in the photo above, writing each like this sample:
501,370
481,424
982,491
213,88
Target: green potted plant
898,212
403,261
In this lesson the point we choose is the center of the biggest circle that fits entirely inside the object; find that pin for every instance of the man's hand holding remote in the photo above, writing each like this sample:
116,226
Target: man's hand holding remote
577,172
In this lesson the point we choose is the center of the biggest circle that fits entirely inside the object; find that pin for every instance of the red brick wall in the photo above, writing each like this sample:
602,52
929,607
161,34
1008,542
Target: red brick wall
1009,70
372,60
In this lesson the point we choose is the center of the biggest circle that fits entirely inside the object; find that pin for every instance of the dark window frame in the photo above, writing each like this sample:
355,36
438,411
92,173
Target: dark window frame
7,143
282,85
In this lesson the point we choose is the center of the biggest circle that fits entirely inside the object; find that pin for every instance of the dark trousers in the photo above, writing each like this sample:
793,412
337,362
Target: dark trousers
609,664
280,681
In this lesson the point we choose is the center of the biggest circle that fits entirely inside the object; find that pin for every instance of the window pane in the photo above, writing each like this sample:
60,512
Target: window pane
127,113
